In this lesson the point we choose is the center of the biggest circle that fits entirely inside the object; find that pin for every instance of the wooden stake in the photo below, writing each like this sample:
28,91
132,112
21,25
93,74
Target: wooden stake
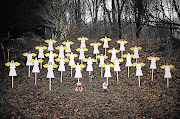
29,71
167,82
81,61
78,80
117,77
107,80
89,73
139,81
41,64
128,71
61,76
136,60
96,59
35,78
121,54
152,74
71,71
12,81
49,84
101,72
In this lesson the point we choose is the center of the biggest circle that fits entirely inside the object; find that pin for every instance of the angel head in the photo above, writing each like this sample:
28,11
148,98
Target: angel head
71,53
12,61
40,45
138,62
101,54
81,47
78,63
51,52
128,54
36,58
95,42
166,63
89,58
61,46
113,48
29,52
116,58
50,63
107,63
135,46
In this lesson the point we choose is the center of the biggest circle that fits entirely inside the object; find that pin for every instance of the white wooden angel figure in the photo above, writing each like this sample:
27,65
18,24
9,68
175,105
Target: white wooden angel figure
128,61
81,55
68,44
61,51
117,68
101,58
28,63
50,44
153,64
41,52
12,65
105,45
107,73
50,74
89,64
36,67
62,62
96,50
138,70
122,48
71,59
51,56
78,69
136,50
83,40
167,72
113,52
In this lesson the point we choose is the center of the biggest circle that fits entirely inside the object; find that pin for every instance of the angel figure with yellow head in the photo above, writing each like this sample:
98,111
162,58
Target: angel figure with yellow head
117,68
122,48
12,65
50,74
50,44
61,51
81,53
29,57
89,64
136,52
78,69
68,46
101,58
113,52
36,67
105,45
41,52
96,50
167,74
51,56
153,63
62,62
128,60
107,73
139,73
83,40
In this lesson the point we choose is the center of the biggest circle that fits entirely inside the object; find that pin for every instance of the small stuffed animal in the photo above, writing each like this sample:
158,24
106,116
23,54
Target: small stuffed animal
79,87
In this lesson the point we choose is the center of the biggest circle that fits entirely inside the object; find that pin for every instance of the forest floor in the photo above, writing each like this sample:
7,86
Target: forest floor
122,100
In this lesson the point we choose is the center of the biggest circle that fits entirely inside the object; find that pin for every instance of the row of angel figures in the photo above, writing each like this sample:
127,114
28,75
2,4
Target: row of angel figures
71,59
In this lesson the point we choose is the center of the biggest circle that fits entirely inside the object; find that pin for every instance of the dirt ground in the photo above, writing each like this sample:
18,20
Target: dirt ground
122,100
